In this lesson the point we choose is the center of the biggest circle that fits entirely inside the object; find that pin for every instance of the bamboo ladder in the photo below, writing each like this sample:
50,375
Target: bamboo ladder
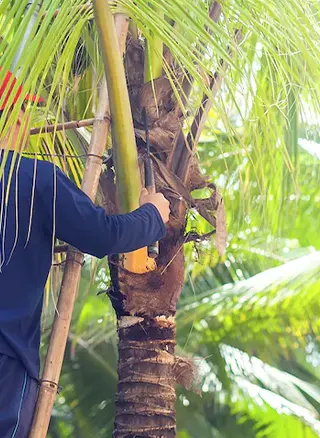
112,30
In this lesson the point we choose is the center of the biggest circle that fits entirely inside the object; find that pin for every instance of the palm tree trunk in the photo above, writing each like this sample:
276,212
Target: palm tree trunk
145,403
148,368
145,302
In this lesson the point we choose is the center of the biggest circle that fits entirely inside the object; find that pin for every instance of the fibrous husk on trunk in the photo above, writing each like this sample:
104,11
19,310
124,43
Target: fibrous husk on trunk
146,303
165,122
178,171
156,293
210,208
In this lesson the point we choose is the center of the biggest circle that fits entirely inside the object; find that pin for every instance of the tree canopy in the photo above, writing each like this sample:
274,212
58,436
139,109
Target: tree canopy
249,319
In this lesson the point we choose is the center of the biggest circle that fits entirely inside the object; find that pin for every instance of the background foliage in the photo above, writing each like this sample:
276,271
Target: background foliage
250,320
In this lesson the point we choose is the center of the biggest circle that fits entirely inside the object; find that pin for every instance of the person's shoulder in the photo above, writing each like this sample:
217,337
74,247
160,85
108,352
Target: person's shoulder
32,160
47,175
39,169
34,164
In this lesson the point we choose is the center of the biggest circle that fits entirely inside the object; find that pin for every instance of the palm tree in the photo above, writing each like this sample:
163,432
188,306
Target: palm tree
226,322
242,395
176,59
227,318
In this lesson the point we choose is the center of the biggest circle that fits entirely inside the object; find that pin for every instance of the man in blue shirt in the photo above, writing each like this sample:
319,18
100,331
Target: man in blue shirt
39,205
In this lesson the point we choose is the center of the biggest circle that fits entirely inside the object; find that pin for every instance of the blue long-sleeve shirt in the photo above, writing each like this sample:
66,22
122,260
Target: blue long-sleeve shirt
44,204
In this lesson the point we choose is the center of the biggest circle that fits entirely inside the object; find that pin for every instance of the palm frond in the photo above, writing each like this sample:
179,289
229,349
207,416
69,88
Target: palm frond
276,305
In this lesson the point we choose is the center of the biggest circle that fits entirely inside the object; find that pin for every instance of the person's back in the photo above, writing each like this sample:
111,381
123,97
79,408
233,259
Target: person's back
25,259
38,204
42,204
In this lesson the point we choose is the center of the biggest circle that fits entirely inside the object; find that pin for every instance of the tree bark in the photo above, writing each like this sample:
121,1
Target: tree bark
145,302
145,403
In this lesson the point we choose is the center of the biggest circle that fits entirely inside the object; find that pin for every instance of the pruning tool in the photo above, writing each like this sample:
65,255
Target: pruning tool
150,185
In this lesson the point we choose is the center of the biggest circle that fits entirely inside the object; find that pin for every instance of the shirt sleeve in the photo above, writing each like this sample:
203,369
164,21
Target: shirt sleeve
72,217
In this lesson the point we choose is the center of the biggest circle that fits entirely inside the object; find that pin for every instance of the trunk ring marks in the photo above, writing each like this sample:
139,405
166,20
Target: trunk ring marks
146,389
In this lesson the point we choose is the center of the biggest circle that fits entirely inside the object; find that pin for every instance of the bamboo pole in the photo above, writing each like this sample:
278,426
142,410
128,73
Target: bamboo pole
74,124
71,277
123,138
60,248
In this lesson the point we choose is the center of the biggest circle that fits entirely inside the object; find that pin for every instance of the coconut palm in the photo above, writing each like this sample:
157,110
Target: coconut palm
258,62
268,315
227,319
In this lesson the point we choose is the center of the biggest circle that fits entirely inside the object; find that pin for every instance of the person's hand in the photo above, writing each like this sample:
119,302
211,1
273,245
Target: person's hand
159,201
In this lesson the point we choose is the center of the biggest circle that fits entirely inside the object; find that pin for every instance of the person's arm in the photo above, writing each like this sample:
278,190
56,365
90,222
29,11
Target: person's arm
75,219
